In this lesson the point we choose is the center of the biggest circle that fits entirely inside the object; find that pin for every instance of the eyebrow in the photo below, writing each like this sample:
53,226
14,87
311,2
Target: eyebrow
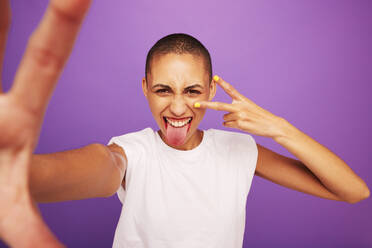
160,85
194,86
168,87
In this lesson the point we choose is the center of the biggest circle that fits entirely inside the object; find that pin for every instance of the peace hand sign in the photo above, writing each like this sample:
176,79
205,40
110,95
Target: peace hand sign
244,113
21,115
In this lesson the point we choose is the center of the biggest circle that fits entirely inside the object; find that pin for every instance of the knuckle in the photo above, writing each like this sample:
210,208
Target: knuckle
218,106
45,58
229,88
239,123
69,16
28,112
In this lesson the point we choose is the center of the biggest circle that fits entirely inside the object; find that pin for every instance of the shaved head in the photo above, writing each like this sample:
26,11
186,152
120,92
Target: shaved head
179,43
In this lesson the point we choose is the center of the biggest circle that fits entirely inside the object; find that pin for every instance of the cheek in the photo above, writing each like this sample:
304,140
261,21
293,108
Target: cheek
157,104
201,97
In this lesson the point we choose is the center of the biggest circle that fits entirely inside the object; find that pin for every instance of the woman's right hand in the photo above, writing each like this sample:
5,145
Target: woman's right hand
21,114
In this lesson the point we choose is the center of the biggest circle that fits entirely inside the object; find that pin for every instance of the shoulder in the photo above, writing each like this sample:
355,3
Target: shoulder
230,138
137,146
241,147
141,136
135,142
235,143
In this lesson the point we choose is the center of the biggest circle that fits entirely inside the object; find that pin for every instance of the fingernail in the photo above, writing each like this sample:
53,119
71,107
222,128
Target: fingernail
197,105
216,78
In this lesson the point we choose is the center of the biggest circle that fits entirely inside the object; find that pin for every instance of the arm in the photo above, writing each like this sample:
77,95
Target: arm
318,171
91,171
290,173
331,171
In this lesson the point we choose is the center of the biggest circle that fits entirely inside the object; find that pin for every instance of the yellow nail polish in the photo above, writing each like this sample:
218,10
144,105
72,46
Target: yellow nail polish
197,105
216,78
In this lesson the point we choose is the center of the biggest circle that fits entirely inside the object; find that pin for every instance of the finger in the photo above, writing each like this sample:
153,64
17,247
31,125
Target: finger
228,88
220,106
230,116
47,52
232,124
4,27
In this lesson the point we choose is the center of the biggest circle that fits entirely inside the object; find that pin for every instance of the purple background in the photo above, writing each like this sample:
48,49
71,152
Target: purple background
307,61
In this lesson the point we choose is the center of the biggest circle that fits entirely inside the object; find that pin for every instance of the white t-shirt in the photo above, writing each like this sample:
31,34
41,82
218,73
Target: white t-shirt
185,199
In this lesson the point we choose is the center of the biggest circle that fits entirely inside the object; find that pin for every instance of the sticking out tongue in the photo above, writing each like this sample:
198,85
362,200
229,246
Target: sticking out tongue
176,135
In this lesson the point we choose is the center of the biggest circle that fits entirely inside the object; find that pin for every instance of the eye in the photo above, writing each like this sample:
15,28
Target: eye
162,91
194,92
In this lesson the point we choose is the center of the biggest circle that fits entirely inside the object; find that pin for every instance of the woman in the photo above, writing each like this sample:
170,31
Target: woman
194,193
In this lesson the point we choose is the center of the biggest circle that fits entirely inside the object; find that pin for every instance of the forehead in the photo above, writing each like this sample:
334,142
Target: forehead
178,69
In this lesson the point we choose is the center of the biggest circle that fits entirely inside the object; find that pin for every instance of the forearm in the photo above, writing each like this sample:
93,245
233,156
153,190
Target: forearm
330,169
81,173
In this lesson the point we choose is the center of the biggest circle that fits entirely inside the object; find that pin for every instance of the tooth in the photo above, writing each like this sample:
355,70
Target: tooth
178,123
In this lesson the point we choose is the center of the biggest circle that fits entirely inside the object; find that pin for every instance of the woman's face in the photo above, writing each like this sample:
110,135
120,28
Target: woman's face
175,83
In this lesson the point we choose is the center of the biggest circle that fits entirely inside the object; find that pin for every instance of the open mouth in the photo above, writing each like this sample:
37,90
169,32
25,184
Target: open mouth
177,123
176,129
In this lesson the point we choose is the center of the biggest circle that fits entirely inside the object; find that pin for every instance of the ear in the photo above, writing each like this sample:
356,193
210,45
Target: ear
212,90
144,86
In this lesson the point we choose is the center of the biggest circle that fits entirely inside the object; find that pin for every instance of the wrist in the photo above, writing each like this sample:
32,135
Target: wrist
286,131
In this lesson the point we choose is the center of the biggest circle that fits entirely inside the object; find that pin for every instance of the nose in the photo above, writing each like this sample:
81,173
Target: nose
178,106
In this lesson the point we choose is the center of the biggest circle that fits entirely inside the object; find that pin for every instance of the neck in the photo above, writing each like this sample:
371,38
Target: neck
190,144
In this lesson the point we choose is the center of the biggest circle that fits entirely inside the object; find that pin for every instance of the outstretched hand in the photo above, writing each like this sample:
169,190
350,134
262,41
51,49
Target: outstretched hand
244,114
21,114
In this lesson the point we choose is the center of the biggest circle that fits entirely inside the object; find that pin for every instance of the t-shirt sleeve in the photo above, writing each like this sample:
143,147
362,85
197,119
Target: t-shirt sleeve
242,152
120,191
132,148
252,159
134,145
244,149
